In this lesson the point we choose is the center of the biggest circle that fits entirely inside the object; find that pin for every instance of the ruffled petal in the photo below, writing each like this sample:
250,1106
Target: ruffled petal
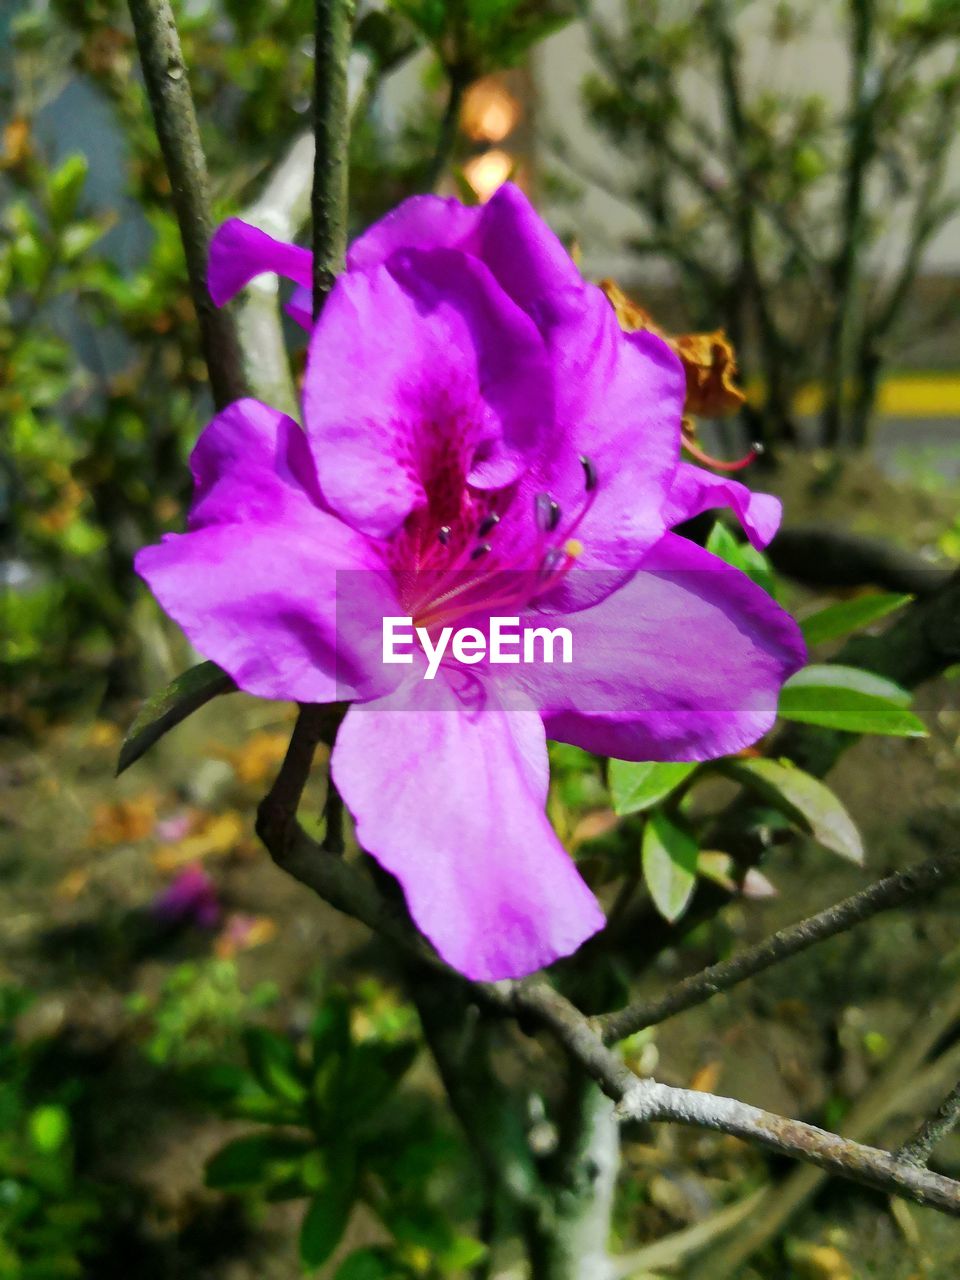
239,252
684,662
421,376
448,789
696,490
507,234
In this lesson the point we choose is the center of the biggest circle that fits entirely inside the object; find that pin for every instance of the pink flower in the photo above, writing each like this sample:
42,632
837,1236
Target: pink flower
481,439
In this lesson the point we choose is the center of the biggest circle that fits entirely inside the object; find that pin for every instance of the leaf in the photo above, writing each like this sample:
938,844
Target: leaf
846,698
255,1159
636,787
366,1264
273,1061
329,1211
742,556
805,800
669,865
850,615
373,1072
164,711
49,1128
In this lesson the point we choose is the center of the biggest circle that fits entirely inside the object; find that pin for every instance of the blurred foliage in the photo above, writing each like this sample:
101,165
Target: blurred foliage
48,1214
773,206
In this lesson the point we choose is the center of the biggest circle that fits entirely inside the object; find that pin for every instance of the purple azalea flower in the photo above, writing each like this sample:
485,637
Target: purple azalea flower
480,438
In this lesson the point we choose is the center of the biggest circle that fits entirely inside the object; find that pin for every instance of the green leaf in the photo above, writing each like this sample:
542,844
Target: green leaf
636,787
256,1159
742,556
49,1128
273,1061
372,1072
366,1264
669,865
329,1211
846,698
164,711
64,188
850,615
804,800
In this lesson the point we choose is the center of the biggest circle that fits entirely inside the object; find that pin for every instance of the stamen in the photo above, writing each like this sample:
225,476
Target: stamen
547,512
550,563
718,464
443,534
589,473
481,550
488,525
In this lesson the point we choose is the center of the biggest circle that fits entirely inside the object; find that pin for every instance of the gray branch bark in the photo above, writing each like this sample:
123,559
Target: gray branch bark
893,891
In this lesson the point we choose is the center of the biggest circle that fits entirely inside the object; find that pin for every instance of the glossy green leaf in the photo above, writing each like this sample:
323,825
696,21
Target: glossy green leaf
805,800
637,786
846,698
850,615
742,555
165,710
669,865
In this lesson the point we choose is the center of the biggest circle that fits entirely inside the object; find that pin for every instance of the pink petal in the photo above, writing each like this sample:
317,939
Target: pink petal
448,790
696,490
684,662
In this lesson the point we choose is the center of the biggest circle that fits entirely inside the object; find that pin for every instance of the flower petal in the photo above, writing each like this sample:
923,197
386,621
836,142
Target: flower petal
507,234
684,662
696,490
448,792
252,463
421,375
254,584
239,252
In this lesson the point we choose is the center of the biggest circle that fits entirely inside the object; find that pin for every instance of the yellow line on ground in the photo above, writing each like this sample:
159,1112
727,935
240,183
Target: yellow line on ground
906,395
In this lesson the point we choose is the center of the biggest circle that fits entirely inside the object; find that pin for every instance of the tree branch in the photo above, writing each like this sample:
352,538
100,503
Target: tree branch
651,1101
893,891
825,557
176,123
921,1146
536,1002
331,125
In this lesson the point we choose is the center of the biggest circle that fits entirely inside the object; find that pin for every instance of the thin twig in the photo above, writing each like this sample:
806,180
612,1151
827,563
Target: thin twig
933,1130
331,125
893,891
176,123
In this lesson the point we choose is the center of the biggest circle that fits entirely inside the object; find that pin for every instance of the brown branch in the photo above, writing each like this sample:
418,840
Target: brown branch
893,891
175,120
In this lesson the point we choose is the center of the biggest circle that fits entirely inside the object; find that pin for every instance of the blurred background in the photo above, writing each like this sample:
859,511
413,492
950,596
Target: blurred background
786,172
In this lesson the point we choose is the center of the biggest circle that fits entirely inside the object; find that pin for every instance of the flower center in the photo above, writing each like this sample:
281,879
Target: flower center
479,564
